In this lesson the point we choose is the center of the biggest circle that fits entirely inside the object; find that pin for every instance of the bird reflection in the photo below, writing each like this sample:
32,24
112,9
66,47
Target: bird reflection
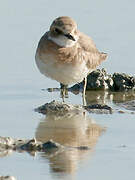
104,97
71,130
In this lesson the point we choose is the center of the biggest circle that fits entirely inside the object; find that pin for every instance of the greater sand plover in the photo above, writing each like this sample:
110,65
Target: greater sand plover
67,55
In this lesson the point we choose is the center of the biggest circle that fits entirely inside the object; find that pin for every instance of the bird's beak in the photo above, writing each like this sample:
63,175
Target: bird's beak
69,36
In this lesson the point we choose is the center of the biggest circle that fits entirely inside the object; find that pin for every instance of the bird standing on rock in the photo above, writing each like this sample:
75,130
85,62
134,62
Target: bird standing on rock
67,55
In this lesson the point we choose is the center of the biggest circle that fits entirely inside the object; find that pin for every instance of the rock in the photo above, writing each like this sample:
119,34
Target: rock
51,146
99,109
99,80
5,144
96,80
34,145
122,82
7,141
83,148
31,145
58,108
7,178
61,108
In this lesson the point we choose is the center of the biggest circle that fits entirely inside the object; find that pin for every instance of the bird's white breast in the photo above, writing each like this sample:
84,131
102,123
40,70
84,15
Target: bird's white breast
65,73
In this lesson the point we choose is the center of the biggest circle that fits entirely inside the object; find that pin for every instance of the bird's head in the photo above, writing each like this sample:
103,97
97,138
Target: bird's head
63,31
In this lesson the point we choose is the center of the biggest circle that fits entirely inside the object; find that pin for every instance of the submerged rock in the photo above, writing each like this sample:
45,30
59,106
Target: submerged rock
50,144
32,146
99,109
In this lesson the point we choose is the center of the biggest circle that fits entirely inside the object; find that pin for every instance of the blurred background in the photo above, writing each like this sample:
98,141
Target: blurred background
109,23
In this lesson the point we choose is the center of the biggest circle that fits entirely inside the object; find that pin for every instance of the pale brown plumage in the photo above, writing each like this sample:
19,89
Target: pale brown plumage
84,49
66,54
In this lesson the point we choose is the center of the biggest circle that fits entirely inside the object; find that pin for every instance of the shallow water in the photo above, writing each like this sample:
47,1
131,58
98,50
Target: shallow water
111,154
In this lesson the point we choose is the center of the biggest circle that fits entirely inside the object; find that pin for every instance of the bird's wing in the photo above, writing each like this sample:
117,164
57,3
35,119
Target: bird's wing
86,43
91,54
43,42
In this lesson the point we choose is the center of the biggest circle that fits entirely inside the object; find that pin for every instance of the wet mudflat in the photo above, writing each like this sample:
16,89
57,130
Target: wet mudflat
90,145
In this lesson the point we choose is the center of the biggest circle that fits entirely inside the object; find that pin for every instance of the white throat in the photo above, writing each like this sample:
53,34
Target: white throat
63,41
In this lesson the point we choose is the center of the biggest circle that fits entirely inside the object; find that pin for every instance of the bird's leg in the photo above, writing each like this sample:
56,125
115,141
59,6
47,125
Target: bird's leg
64,91
84,91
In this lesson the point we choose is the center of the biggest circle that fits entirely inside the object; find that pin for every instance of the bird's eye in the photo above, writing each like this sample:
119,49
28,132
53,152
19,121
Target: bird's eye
57,31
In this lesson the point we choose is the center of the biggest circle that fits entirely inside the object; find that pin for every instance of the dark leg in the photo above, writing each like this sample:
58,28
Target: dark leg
84,91
64,91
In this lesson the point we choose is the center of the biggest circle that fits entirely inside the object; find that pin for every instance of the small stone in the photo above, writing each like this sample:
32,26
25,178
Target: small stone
7,178
123,146
121,112
99,109
50,145
83,148
58,108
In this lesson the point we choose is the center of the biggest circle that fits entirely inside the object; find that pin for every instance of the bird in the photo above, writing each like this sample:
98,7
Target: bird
67,55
